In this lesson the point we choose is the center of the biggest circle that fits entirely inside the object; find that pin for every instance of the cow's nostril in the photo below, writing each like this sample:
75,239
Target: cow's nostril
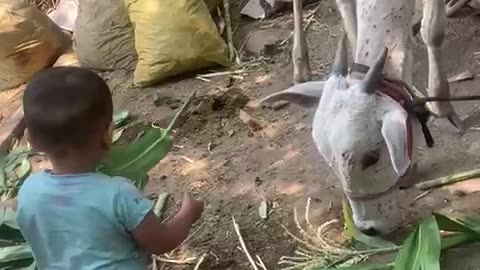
370,231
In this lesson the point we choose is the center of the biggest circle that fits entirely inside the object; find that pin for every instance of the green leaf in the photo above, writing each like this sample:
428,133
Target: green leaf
454,240
362,267
8,217
457,224
15,253
421,250
16,156
351,231
3,179
120,119
135,160
24,170
467,228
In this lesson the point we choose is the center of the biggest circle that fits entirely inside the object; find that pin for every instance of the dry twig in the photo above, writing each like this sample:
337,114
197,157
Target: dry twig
228,22
260,262
200,261
242,243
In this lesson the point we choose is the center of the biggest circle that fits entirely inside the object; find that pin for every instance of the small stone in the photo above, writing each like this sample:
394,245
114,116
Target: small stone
258,181
280,105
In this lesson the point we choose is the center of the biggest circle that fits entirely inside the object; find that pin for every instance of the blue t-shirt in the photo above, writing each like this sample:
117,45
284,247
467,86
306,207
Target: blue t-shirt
82,221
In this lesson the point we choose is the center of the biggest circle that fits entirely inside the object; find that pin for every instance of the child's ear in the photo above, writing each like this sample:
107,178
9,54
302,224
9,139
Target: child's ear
107,140
26,134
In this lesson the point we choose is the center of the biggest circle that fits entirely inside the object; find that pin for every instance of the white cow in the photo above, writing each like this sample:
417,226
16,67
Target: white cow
365,135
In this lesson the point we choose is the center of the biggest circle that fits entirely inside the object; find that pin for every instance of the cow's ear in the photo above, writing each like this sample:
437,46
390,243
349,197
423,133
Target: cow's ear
306,94
394,131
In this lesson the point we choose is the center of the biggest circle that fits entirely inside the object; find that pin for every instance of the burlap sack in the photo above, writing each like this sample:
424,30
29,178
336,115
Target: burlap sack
103,35
29,42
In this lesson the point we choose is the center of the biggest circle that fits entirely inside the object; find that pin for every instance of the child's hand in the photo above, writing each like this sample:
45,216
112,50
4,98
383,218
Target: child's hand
158,237
193,208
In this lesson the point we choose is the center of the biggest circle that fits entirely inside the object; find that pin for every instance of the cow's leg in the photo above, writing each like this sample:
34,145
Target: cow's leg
301,63
433,32
454,5
348,12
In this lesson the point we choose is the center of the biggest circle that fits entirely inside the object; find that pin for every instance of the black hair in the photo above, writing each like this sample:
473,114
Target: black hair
64,106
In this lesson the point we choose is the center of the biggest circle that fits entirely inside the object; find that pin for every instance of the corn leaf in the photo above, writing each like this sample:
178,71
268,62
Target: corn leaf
454,240
421,250
458,223
16,157
467,229
120,119
3,179
135,160
23,171
15,253
32,266
8,218
25,264
351,231
362,267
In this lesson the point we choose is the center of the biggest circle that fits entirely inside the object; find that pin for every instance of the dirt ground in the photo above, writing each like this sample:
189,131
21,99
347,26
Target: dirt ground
233,168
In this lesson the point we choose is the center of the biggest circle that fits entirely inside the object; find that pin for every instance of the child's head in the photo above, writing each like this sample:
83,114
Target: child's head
68,111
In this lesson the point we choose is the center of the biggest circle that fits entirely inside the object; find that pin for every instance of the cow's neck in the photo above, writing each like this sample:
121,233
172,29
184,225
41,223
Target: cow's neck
388,24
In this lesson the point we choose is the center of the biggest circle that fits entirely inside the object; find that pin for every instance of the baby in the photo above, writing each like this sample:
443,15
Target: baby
72,216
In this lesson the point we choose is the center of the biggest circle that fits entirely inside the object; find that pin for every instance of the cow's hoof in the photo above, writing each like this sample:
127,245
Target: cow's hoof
451,124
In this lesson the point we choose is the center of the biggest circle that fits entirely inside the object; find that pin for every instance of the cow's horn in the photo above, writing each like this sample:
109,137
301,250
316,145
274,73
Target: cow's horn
375,73
340,64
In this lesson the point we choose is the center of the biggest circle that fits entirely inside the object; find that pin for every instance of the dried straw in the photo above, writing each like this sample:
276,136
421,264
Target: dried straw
45,5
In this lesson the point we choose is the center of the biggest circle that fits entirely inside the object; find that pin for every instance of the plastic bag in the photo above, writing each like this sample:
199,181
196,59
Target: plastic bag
29,42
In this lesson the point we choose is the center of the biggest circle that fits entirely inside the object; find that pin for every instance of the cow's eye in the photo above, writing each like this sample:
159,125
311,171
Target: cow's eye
370,159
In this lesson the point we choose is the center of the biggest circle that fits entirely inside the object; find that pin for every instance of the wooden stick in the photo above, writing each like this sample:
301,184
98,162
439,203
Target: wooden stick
242,243
449,179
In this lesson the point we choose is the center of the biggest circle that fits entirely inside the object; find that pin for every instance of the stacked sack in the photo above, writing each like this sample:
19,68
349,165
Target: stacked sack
156,39
29,42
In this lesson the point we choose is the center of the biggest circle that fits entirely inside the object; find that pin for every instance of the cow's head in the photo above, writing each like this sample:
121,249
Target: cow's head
363,137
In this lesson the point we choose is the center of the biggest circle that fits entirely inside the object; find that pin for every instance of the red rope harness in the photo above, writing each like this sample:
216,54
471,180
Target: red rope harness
399,91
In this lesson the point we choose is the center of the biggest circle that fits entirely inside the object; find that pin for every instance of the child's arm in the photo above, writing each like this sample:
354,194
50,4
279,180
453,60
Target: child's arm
158,238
